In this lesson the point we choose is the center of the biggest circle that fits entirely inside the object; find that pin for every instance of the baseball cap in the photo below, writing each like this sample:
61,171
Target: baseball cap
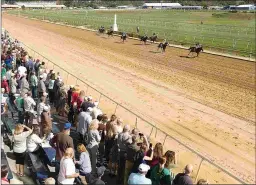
67,126
100,171
143,167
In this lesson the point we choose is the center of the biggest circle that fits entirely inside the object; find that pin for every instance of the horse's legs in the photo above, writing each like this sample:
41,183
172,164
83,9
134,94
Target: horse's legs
189,53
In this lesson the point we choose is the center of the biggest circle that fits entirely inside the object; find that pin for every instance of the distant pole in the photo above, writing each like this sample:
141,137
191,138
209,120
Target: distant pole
115,28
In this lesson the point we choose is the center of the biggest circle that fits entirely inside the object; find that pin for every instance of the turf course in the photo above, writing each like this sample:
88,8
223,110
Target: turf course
232,33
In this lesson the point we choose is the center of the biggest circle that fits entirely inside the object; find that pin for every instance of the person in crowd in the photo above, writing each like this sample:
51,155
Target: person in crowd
34,140
80,99
70,91
48,78
202,182
159,174
170,159
96,111
153,160
140,176
24,85
62,100
10,104
84,163
84,120
123,140
87,103
8,75
113,155
131,151
34,84
67,173
37,67
109,134
50,88
29,105
119,125
41,86
40,108
4,174
4,84
22,70
184,178
46,122
19,102
13,84
49,181
3,70
19,146
102,130
93,140
100,173
30,65
61,142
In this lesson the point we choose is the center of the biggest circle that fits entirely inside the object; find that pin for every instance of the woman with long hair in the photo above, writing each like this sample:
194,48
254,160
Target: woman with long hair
67,173
113,157
94,140
19,146
84,163
34,140
170,159
109,134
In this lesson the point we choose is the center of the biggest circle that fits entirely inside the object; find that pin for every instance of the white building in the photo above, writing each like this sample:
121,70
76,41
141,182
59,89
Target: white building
246,7
160,5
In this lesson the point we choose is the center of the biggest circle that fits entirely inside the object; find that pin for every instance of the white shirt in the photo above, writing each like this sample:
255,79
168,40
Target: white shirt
44,76
67,167
20,142
8,75
95,112
40,108
29,104
21,70
32,142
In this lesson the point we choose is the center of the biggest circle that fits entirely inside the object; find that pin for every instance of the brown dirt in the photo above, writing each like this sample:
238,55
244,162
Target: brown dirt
206,102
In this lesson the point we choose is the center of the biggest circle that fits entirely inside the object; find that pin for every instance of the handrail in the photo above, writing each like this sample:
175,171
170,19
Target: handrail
153,126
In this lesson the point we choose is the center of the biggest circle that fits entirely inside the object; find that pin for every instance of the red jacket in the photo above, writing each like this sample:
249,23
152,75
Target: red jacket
5,85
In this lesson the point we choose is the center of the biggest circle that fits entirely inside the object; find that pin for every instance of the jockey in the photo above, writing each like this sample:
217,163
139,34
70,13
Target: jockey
154,34
198,45
123,34
111,28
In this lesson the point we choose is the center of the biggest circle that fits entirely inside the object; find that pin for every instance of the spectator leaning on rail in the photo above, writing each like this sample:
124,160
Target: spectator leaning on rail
41,87
184,178
140,177
61,142
123,140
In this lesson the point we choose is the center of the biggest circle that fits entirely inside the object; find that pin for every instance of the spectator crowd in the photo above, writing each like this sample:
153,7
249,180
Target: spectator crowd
106,143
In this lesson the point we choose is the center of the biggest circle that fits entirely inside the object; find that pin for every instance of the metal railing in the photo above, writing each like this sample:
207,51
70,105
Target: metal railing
166,136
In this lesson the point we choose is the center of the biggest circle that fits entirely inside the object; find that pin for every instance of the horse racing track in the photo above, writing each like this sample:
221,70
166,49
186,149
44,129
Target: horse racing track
206,102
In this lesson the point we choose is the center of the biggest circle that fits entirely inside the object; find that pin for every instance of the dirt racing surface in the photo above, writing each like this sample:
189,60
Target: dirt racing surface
206,102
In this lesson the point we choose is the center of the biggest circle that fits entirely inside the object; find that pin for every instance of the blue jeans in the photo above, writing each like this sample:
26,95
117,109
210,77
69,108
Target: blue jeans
34,91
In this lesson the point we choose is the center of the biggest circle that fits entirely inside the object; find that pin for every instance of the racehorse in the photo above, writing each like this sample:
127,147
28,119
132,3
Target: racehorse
101,30
123,37
144,39
162,46
110,33
153,38
196,50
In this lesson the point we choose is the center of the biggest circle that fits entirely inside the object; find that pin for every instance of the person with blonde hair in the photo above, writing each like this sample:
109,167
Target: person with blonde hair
93,140
119,125
109,134
19,146
49,181
84,163
67,172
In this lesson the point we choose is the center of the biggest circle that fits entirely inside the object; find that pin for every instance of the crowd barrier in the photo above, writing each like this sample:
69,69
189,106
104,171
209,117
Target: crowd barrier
204,167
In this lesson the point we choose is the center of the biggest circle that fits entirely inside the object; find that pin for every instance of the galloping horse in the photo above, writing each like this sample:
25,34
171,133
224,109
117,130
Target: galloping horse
101,29
196,50
162,46
110,33
123,37
144,39
153,38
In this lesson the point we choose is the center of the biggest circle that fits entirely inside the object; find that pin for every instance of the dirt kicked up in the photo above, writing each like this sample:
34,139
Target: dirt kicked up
207,102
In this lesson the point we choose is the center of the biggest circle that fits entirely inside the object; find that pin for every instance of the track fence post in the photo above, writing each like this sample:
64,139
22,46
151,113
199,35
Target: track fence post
116,108
136,122
151,131
99,99
165,139
199,168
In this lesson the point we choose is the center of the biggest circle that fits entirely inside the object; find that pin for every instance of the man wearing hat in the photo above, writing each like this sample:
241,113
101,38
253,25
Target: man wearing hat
41,87
87,103
61,142
100,173
140,177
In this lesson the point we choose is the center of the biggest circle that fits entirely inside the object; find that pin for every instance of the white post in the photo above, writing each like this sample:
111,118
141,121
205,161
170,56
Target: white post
115,28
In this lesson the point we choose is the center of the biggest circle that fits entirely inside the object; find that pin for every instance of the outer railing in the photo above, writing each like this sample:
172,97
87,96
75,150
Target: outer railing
165,138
